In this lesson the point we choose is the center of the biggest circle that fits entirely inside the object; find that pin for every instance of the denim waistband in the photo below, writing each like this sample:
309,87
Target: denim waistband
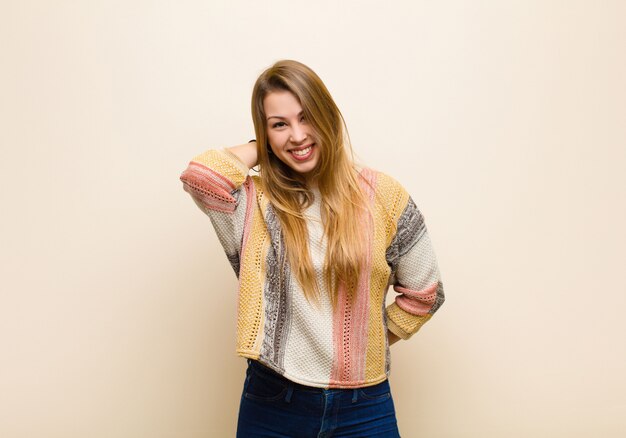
269,373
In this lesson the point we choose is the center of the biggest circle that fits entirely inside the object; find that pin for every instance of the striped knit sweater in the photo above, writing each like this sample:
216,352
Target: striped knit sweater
276,325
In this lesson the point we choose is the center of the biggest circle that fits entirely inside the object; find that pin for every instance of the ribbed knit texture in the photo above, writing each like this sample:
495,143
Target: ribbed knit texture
276,325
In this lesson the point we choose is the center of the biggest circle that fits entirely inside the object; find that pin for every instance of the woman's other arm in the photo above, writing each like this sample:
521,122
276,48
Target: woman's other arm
416,272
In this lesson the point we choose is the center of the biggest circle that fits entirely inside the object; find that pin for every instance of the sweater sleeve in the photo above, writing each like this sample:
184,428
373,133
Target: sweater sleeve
414,275
217,182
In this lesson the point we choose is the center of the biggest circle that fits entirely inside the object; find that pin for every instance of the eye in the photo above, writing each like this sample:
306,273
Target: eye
279,125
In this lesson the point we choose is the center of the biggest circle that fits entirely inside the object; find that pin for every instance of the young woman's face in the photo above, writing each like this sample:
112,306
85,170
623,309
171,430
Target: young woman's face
291,136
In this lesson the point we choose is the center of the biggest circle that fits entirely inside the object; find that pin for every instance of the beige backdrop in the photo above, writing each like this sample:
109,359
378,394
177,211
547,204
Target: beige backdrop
504,119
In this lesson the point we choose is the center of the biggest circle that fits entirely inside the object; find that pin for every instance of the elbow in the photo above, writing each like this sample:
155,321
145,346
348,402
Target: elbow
207,190
440,298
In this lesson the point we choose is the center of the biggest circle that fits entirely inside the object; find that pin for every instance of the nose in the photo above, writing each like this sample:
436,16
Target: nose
298,134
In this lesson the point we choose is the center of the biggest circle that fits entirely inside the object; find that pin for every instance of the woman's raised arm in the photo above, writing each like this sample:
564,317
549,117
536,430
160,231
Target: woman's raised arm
246,153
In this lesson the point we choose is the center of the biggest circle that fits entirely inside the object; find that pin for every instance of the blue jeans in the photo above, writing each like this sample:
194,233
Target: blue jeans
273,406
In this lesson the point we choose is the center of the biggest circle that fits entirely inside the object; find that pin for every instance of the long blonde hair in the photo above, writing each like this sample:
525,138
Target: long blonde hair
343,203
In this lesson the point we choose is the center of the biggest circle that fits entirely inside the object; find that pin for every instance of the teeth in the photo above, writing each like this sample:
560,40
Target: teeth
302,152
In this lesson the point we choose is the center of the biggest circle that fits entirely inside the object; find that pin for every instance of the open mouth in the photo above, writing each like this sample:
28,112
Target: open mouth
303,153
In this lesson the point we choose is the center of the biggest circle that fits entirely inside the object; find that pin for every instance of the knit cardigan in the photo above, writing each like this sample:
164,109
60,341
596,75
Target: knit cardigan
316,345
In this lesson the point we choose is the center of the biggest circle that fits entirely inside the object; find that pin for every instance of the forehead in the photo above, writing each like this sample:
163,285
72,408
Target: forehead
281,103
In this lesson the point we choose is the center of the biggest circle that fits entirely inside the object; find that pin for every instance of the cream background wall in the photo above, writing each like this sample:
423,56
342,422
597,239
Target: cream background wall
506,120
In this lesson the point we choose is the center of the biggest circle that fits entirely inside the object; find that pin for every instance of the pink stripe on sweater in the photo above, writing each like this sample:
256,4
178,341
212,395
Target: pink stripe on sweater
228,184
417,302
247,225
210,188
340,371
350,324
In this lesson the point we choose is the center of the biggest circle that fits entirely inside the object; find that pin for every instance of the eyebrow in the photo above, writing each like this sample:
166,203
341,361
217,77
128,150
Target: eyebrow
281,117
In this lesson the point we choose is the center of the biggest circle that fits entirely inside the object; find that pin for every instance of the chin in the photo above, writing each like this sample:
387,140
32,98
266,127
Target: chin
305,169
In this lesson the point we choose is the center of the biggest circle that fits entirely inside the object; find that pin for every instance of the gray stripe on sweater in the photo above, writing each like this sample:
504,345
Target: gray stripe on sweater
277,284
410,229
387,349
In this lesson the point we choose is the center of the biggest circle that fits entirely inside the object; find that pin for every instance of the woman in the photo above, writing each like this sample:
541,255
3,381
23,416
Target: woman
315,242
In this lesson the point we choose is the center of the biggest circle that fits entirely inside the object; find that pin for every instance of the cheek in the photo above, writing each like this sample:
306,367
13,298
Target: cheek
276,140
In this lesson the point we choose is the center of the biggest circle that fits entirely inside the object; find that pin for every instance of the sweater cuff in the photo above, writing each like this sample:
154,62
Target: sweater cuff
403,324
